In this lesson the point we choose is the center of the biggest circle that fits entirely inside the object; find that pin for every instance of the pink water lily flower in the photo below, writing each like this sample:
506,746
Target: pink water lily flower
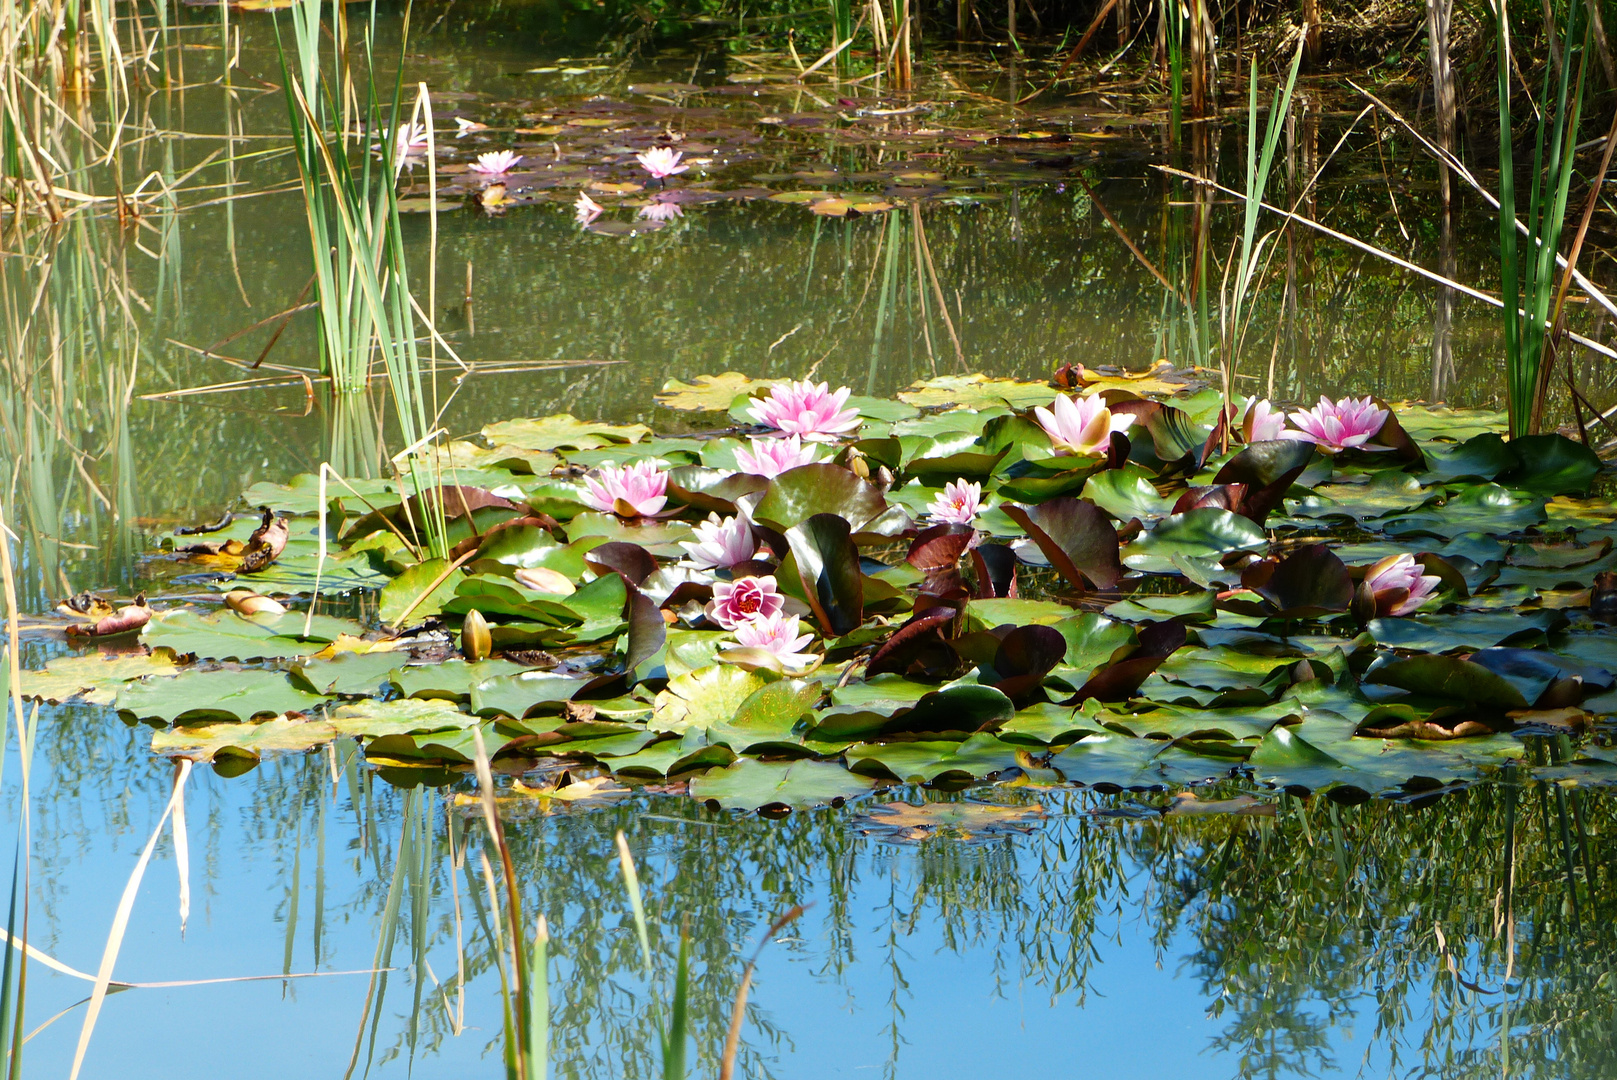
807,409
958,504
721,544
638,491
661,211
464,127
1083,427
1262,422
586,209
769,458
495,163
661,162
743,600
778,636
1338,425
1399,585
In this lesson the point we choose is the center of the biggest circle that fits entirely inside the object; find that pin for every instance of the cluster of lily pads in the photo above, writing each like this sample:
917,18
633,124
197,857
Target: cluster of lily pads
1121,581
598,153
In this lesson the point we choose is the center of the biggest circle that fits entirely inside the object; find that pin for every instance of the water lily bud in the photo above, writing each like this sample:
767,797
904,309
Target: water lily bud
250,603
1363,607
475,640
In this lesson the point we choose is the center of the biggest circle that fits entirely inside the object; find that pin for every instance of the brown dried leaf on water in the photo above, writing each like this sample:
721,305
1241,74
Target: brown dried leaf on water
492,199
1161,378
708,393
1568,719
590,789
126,620
1187,803
907,822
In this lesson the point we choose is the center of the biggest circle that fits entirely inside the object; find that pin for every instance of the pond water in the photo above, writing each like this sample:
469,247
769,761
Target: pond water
1455,934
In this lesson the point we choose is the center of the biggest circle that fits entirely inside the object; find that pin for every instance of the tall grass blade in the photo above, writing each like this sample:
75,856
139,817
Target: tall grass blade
677,1034
120,924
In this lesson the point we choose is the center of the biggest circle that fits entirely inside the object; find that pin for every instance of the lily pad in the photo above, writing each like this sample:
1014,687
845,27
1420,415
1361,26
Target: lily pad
94,677
562,431
210,742
402,716
750,784
959,821
202,695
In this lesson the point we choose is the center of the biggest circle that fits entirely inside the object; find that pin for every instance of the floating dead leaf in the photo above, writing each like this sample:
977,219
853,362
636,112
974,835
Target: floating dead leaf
542,129
493,199
1154,380
591,789
709,393
976,392
604,188
1186,803
1568,719
907,822
831,207
593,122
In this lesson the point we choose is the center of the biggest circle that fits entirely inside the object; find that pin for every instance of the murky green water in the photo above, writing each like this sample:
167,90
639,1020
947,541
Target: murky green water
1384,939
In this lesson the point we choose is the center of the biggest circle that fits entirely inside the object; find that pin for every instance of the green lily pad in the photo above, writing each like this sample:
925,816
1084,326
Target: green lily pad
1467,630
750,784
980,756
457,746
1127,493
1450,678
420,592
977,392
1194,607
209,742
1207,532
1486,508
708,393
1116,761
1552,465
562,431
798,494
402,716
301,494
522,693
95,677
201,695
227,635
1481,457
451,680
768,715
345,673
704,697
